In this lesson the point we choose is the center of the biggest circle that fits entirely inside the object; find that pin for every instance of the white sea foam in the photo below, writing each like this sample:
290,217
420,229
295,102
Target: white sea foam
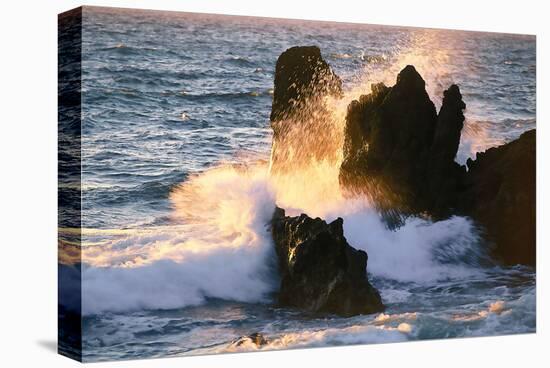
220,246
223,249
411,252
360,334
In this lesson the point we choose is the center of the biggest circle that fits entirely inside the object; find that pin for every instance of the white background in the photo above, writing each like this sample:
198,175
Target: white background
28,179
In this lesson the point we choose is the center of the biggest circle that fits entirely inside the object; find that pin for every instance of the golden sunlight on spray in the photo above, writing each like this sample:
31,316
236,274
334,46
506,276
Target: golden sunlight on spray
223,207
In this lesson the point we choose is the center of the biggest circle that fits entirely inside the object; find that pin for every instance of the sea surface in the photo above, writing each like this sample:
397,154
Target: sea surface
177,257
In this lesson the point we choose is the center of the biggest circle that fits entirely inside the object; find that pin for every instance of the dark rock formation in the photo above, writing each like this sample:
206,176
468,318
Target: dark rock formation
501,196
445,176
301,75
450,122
303,80
399,151
320,271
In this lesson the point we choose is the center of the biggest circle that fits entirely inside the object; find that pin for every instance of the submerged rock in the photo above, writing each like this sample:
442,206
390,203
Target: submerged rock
320,271
501,196
303,81
255,338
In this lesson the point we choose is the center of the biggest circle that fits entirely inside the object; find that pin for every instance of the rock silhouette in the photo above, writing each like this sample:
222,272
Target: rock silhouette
320,271
399,151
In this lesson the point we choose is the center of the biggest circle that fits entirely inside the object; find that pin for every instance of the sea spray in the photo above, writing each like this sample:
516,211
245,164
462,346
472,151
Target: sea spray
419,251
137,150
217,244
220,250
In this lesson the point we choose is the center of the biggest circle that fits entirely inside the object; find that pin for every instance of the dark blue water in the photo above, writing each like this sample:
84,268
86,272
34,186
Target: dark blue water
177,257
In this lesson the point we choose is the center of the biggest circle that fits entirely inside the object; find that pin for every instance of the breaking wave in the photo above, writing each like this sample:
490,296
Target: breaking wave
219,245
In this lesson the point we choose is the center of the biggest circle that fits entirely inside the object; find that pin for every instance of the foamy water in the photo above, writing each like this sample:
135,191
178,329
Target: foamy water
177,254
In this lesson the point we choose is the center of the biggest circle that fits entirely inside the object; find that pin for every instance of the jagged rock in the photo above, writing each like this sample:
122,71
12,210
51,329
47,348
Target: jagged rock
320,271
303,80
450,122
501,196
445,177
399,151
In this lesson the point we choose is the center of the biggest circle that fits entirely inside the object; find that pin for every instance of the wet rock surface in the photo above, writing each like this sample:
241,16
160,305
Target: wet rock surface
302,76
303,81
255,338
320,271
501,196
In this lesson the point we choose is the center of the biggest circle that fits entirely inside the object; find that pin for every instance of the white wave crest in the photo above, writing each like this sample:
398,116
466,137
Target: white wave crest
220,245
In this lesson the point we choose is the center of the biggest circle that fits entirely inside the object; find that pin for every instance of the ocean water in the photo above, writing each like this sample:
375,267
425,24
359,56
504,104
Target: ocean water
177,256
